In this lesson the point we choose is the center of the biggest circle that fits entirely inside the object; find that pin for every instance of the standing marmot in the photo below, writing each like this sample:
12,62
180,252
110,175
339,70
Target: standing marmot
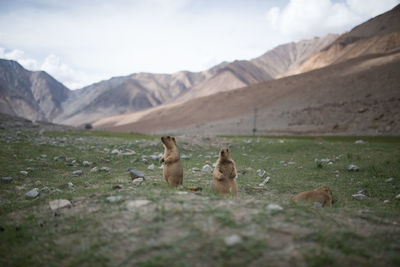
323,196
172,171
225,174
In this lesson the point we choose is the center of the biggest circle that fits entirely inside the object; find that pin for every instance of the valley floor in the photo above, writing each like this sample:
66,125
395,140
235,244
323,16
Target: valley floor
175,227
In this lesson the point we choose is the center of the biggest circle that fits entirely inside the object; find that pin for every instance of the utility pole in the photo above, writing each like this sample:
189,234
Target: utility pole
254,122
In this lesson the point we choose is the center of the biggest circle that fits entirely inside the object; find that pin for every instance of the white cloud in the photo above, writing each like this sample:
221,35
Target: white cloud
301,19
18,55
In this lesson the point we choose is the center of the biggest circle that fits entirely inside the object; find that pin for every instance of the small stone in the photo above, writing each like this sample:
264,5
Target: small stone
389,180
261,173
183,156
232,240
196,169
274,207
77,173
58,190
94,169
86,163
115,151
19,188
70,184
206,168
117,186
30,169
6,180
104,169
113,199
359,196
135,174
397,197
151,167
38,183
359,142
59,204
386,201
43,156
265,181
137,181
353,168
24,173
363,191
134,204
33,193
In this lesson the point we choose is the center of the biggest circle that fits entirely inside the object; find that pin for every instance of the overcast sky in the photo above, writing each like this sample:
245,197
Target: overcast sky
84,41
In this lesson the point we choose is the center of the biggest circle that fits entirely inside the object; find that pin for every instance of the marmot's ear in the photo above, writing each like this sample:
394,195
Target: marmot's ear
173,139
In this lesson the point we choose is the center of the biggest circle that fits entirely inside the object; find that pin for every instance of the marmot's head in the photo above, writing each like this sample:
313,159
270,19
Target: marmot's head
225,154
168,141
326,190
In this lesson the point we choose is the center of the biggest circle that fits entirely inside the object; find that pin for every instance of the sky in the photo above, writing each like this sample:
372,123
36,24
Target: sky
80,42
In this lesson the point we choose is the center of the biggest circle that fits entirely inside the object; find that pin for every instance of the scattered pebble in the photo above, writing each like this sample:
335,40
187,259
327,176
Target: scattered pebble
30,169
265,181
206,168
196,169
261,173
59,204
359,196
274,207
232,240
19,188
113,199
364,192
183,156
6,180
151,167
134,204
104,169
397,197
33,193
86,163
77,173
386,201
94,169
43,156
38,183
138,181
389,180
70,184
24,173
353,168
135,174
117,186
115,151
360,142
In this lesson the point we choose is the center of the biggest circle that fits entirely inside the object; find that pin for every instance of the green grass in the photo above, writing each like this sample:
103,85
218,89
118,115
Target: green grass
180,228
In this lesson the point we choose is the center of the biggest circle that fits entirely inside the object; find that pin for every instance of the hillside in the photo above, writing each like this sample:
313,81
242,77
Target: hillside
378,35
358,96
33,95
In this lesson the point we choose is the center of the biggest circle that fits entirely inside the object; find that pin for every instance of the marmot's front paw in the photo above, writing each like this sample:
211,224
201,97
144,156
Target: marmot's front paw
161,160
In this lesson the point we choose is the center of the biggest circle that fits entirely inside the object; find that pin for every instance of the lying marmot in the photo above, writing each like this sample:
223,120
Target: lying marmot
225,174
173,171
323,196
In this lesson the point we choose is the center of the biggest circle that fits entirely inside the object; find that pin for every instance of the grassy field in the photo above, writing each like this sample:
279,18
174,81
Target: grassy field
184,228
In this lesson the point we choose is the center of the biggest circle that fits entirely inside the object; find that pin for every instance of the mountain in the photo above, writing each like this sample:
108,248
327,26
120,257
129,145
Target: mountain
33,95
378,35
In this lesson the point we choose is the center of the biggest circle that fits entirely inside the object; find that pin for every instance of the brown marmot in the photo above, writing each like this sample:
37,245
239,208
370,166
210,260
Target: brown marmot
172,171
322,195
225,174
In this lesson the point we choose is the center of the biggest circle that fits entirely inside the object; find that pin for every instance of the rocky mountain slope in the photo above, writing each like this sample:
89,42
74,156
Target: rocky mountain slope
378,35
33,95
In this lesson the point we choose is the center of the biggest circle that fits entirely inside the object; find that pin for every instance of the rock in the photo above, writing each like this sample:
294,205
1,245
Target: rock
206,168
135,174
389,180
161,167
364,192
104,169
70,184
397,197
24,173
261,173
115,151
6,180
134,204
154,157
113,199
117,186
33,193
151,167
233,240
38,183
94,169
274,207
77,173
30,169
59,204
196,169
86,163
359,196
359,142
19,188
353,168
265,181
43,156
183,156
386,201
138,181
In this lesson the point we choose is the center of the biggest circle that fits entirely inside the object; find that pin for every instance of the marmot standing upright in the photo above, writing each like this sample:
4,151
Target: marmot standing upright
323,196
225,174
172,171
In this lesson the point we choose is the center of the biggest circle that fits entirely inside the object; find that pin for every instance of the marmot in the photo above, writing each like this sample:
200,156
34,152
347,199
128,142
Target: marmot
225,174
172,171
323,196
